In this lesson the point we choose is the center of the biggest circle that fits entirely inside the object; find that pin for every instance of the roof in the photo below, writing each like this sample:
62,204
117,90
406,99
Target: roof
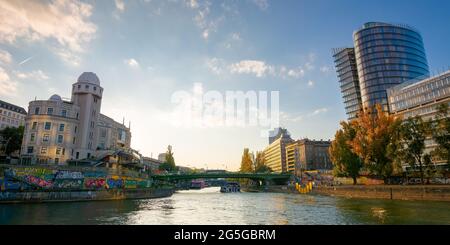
8,106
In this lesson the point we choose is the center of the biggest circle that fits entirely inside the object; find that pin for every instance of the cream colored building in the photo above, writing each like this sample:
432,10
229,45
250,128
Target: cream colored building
11,115
274,154
57,129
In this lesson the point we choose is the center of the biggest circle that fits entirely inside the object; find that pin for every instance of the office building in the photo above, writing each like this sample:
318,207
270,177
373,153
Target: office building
274,154
345,62
308,154
386,55
277,133
420,98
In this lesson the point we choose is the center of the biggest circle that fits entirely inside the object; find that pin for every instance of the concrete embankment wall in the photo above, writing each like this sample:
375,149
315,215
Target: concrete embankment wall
82,195
431,192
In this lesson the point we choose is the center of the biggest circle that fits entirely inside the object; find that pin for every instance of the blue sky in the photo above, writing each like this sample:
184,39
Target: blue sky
145,50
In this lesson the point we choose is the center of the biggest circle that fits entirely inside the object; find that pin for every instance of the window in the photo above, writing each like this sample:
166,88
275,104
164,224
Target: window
56,160
48,125
30,149
34,125
86,86
43,150
58,150
60,139
64,113
64,151
75,129
79,86
36,111
49,111
46,138
61,127
73,140
32,136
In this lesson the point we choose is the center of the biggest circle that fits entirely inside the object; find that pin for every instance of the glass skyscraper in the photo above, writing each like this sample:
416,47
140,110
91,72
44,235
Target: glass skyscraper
387,55
344,59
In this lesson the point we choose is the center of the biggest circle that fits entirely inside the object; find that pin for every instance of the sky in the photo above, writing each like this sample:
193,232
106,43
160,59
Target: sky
144,51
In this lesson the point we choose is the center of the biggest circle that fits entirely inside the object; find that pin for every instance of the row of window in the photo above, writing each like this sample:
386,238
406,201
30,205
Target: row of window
359,39
12,114
48,126
44,150
402,95
420,99
10,121
390,43
46,138
387,29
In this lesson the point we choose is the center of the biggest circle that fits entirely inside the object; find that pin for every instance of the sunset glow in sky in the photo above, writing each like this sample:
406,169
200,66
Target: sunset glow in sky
144,51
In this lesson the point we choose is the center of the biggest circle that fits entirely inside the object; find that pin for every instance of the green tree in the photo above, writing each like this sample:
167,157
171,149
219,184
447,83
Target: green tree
11,139
246,162
413,133
345,161
441,133
375,132
260,164
169,164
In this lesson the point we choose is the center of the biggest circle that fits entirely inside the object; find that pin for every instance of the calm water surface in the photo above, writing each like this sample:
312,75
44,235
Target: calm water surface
209,206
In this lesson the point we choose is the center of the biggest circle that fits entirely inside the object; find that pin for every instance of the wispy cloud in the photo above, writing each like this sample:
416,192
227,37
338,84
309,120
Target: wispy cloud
5,57
256,67
64,23
36,75
311,83
293,117
262,4
132,63
120,5
259,68
8,87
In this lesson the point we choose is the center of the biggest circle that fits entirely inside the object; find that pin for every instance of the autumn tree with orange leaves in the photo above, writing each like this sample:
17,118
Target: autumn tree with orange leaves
375,141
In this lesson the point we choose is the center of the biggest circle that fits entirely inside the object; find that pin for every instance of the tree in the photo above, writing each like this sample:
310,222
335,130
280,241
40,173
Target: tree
374,135
11,139
441,133
413,133
345,161
246,162
169,164
260,164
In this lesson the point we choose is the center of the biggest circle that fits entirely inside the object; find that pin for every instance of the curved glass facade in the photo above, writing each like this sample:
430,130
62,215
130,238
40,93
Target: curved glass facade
387,55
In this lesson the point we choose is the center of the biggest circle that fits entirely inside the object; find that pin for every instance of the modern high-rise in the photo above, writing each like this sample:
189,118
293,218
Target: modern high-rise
386,55
344,59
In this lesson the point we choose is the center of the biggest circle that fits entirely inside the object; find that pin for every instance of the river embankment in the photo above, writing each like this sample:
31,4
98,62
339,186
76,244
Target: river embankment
393,192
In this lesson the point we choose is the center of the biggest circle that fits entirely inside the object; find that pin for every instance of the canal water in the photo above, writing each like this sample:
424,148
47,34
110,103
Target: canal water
209,206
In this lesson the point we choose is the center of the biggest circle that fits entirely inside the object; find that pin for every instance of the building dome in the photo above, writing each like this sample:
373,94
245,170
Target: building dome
89,77
55,97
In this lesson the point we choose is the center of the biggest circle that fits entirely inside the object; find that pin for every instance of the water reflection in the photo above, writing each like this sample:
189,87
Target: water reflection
209,206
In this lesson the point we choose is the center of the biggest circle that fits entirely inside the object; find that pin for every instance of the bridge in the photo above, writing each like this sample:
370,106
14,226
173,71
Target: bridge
274,177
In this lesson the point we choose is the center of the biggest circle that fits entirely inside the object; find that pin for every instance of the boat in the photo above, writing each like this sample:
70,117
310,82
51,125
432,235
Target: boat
198,184
230,187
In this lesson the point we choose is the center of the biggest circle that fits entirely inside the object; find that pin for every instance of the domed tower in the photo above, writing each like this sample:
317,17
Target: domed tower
87,94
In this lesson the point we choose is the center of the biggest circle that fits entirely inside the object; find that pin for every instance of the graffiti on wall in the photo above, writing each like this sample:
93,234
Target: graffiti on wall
64,174
94,183
30,177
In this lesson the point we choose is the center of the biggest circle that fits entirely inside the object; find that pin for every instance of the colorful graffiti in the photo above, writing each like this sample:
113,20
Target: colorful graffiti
20,178
64,174
38,181
68,183
94,183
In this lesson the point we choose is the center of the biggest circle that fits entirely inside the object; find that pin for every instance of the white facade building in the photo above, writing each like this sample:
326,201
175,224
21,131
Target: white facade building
11,115
58,130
